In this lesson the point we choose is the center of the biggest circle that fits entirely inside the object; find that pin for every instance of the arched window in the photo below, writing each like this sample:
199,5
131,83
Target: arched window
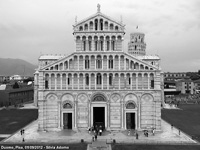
67,106
110,63
111,26
107,43
113,43
91,25
99,63
152,81
110,79
87,81
96,24
84,43
90,43
46,81
87,63
86,27
101,24
98,79
80,28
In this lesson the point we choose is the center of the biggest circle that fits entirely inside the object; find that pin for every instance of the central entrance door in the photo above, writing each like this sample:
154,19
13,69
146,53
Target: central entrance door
99,116
130,120
67,120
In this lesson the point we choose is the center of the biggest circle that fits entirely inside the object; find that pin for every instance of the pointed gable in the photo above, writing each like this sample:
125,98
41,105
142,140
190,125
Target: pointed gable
98,18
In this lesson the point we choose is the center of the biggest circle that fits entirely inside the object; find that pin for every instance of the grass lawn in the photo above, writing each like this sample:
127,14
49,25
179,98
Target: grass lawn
154,147
12,120
187,119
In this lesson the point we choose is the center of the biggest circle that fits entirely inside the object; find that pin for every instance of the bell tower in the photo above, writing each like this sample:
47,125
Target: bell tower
137,46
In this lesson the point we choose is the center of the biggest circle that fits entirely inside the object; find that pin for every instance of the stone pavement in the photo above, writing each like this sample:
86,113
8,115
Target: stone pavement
32,135
166,136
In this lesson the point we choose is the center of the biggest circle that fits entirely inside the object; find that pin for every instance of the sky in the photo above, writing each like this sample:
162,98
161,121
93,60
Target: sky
29,28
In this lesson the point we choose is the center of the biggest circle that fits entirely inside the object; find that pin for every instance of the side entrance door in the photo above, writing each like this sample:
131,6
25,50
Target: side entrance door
67,120
130,120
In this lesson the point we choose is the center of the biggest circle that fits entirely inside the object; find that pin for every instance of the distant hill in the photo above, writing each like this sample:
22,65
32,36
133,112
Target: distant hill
9,66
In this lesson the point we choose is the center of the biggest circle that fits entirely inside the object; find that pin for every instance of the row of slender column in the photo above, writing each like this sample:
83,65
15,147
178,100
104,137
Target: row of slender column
98,45
80,64
98,81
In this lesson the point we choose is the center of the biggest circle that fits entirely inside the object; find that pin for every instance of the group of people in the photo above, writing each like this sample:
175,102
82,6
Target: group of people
146,132
22,134
96,130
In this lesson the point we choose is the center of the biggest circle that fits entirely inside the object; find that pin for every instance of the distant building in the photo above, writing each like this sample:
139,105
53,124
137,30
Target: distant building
10,96
175,75
185,86
197,86
170,88
16,77
4,78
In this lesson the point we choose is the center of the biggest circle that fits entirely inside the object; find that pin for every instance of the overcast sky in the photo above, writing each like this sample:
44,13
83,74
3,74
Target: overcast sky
29,28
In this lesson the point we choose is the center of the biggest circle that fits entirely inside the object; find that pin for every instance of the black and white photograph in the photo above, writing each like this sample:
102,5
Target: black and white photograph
100,74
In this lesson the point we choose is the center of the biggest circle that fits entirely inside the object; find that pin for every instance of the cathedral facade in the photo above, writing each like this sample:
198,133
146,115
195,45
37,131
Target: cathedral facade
99,83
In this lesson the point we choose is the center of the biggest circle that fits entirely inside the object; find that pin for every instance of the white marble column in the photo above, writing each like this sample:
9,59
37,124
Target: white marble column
136,80
59,114
110,48
55,81
78,78
72,81
75,114
90,81
104,43
107,81
84,81
148,87
66,81
78,62
95,81
122,114
61,85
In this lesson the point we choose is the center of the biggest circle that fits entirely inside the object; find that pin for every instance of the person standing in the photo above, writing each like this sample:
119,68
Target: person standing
153,132
95,136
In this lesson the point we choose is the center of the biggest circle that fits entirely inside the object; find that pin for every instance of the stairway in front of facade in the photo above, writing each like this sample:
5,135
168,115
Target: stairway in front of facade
99,145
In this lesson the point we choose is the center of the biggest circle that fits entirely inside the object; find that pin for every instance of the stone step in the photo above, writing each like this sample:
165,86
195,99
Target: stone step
99,145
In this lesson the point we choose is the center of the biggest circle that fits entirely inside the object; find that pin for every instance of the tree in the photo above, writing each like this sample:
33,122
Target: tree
16,85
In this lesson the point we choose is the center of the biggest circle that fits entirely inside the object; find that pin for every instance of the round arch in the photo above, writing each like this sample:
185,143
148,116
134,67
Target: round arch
98,97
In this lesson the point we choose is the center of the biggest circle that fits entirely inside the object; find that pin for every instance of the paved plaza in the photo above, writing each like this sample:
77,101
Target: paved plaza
32,135
167,135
